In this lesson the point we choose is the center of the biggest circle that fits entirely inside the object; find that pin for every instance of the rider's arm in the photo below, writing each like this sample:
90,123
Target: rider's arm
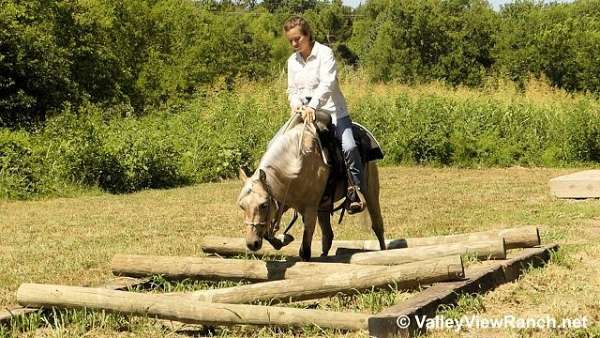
327,79
293,93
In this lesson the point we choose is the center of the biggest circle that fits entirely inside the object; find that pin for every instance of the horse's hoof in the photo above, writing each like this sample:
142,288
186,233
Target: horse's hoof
305,257
275,242
282,240
287,239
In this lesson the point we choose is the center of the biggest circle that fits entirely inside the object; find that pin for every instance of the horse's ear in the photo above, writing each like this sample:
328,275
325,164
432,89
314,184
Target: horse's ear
263,176
242,174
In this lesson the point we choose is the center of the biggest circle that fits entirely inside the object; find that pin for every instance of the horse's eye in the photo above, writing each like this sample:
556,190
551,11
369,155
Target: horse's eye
264,205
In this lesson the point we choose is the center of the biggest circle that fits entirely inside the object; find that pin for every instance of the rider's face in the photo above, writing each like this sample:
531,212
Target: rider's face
299,41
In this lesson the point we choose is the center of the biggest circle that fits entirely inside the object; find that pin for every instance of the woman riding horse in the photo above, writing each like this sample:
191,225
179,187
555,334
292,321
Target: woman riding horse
293,173
312,86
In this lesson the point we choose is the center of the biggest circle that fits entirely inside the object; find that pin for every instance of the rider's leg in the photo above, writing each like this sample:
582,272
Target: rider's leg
343,133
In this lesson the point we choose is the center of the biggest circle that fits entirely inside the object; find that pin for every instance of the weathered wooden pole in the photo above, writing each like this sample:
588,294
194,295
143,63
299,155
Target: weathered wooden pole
211,268
254,270
207,268
354,278
522,237
232,246
490,249
183,310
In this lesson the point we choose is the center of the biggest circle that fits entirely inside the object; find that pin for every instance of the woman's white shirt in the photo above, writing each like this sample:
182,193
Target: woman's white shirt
316,77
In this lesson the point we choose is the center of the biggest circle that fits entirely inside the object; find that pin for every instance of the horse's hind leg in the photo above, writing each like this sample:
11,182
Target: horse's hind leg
326,231
309,218
372,174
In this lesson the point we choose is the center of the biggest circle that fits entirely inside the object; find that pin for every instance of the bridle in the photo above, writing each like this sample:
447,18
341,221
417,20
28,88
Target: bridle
273,225
279,206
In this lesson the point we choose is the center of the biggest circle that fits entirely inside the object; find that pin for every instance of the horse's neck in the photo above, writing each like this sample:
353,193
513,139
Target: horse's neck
280,185
284,163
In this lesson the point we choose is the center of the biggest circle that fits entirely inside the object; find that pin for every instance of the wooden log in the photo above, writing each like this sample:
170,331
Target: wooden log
583,184
211,268
183,310
491,249
232,246
426,303
208,268
522,237
120,283
317,286
254,270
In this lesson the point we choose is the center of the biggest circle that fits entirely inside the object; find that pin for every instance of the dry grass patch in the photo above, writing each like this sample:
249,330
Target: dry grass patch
71,241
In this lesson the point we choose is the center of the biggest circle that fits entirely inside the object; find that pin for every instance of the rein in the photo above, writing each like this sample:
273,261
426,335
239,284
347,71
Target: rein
273,227
281,205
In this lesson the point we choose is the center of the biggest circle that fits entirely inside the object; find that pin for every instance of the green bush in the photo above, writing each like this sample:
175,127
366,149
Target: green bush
141,155
154,54
583,133
20,176
117,155
444,130
209,138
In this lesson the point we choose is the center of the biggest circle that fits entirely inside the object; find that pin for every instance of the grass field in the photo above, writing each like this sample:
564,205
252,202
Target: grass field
71,241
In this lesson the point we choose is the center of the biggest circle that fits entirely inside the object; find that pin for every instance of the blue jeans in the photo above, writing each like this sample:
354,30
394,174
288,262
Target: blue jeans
354,165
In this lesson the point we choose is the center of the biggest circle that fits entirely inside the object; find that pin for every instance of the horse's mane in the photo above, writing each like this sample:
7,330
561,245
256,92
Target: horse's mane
283,158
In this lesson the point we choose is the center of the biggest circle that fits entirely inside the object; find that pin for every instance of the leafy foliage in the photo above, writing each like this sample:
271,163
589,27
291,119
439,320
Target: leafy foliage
149,54
128,95
210,138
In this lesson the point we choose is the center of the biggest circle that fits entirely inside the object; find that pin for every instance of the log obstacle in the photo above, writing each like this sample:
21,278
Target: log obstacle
120,283
490,249
406,265
522,237
183,310
353,279
209,268
232,246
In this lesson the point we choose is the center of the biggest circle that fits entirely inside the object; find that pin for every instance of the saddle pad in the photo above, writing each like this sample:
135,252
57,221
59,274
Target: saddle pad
369,146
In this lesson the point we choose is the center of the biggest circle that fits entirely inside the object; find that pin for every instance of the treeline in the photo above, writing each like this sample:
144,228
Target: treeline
137,55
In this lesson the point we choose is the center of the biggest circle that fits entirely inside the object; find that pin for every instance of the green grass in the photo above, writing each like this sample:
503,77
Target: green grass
71,241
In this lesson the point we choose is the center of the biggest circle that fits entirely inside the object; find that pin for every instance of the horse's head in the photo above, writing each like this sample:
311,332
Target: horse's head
259,208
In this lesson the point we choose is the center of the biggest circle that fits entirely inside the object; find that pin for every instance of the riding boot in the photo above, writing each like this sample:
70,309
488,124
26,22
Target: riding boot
356,188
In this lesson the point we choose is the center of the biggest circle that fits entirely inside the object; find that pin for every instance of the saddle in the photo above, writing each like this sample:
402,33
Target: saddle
369,149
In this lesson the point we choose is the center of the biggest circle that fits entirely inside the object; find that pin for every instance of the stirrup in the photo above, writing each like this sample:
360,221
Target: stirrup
356,201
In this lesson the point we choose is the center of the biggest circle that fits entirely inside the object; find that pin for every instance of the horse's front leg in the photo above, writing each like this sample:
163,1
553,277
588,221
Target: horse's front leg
325,223
309,218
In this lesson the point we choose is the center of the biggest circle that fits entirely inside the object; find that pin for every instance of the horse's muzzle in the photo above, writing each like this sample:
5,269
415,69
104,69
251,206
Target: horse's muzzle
254,244
254,237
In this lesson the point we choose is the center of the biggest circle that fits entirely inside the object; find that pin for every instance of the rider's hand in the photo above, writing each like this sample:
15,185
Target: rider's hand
308,114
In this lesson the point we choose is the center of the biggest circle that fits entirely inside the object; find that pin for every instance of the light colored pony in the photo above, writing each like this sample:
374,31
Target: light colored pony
293,174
